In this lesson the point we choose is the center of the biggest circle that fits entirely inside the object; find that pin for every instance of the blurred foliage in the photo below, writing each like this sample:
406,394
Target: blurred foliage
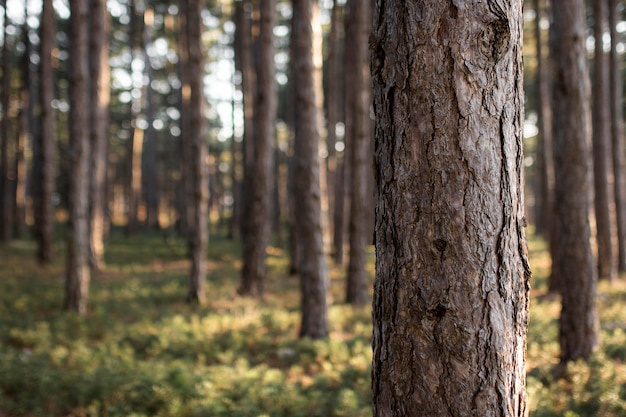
141,351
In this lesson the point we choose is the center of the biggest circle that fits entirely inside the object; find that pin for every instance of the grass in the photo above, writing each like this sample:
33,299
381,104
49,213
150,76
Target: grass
142,351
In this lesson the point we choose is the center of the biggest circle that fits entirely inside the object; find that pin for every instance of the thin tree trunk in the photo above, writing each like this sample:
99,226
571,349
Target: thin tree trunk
450,308
78,274
601,142
617,135
45,164
573,260
5,184
24,131
359,229
261,180
99,126
149,160
312,264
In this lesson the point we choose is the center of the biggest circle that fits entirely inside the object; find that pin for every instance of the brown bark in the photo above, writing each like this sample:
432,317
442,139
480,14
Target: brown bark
99,93
617,138
601,143
24,131
45,178
77,269
150,170
261,180
359,229
312,264
450,306
573,259
5,184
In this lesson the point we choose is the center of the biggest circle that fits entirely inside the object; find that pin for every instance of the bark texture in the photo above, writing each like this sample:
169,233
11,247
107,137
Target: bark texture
450,306
601,143
312,264
573,261
258,232
77,268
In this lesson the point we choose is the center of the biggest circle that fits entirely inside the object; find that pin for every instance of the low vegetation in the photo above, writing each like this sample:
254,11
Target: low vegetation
142,351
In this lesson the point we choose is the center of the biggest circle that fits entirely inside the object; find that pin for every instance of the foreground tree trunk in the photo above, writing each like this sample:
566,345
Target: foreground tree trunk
450,306
258,231
312,264
601,142
46,150
359,229
77,269
617,136
573,260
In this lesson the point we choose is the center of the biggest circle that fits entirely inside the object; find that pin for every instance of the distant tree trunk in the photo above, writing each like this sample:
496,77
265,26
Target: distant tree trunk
78,274
24,131
5,184
601,143
193,99
617,135
450,308
574,260
359,229
261,180
99,93
235,146
312,264
46,154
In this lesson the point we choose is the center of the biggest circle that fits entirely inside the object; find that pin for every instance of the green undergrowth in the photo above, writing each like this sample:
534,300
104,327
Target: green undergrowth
142,351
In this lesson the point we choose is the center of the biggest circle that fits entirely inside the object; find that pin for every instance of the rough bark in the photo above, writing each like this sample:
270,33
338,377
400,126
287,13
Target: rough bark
601,144
193,86
450,306
77,268
261,181
573,261
312,264
617,138
359,229
46,150
99,93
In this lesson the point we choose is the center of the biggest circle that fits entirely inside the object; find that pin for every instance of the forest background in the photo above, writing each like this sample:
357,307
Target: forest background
169,320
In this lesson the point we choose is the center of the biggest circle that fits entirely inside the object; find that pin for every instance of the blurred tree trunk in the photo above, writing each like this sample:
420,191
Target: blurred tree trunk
573,261
359,102
5,184
617,135
149,165
193,104
450,307
261,180
99,93
78,274
601,143
44,164
312,264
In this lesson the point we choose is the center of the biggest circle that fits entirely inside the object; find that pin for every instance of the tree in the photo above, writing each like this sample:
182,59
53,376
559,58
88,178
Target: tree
193,104
357,283
601,142
312,264
258,230
617,138
5,184
573,259
450,307
77,267
99,93
45,166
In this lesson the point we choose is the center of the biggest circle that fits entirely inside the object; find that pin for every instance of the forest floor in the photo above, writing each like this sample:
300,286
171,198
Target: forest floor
142,351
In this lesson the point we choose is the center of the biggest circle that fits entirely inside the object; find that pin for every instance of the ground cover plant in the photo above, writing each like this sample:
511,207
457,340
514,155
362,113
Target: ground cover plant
142,351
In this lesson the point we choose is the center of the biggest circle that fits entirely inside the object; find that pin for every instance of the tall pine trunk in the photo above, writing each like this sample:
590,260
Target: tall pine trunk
450,307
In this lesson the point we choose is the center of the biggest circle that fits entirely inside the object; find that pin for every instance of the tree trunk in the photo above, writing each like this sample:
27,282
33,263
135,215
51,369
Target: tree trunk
193,104
5,184
261,180
24,131
573,260
312,264
45,164
617,135
359,229
450,308
99,92
78,274
601,142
